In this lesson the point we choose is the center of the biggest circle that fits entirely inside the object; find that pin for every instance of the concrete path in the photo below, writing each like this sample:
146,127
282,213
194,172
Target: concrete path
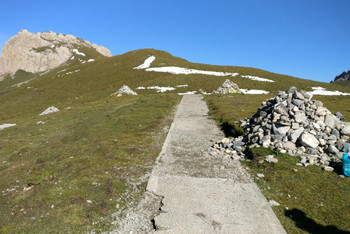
203,194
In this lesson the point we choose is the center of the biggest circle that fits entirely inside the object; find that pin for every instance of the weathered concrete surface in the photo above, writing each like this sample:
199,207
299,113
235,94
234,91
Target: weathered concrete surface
203,194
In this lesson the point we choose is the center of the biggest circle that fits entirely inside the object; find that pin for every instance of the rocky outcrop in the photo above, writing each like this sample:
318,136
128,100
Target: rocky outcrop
292,123
343,76
38,52
228,87
124,90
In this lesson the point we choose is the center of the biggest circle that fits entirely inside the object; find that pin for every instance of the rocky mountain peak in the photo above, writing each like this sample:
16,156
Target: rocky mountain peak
343,76
38,52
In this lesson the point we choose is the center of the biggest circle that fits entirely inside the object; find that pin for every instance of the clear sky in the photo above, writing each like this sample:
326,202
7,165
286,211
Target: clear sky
304,38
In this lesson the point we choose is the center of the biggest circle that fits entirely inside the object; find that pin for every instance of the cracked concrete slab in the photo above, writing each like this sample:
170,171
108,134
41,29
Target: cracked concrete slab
199,194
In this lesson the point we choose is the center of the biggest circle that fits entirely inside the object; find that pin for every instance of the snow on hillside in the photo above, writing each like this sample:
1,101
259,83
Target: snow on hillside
76,51
257,78
254,91
159,89
189,92
3,126
147,63
186,71
323,91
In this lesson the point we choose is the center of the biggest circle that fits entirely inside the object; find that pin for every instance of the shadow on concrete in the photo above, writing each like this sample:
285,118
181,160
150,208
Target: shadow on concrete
309,225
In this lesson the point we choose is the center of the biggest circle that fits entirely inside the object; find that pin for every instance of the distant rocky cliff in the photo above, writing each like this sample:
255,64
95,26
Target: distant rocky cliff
343,76
38,52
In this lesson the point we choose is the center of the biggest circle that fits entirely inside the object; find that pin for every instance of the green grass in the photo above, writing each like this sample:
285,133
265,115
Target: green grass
95,152
312,200
99,146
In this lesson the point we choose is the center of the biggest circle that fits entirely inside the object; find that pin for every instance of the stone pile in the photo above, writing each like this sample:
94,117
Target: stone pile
228,87
124,90
292,123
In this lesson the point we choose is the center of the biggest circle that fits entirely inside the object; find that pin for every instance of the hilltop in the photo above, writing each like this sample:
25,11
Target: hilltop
38,52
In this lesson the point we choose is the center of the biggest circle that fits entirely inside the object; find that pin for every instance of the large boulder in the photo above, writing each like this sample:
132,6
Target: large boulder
124,90
308,140
228,87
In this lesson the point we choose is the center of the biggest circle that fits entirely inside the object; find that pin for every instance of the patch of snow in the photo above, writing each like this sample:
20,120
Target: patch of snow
323,91
71,72
257,78
72,57
146,63
186,71
141,87
52,46
254,91
40,122
78,53
83,62
189,92
3,126
90,60
182,86
19,84
50,110
161,89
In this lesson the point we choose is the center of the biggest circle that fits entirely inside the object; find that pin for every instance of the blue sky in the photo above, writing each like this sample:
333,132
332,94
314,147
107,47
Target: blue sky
304,38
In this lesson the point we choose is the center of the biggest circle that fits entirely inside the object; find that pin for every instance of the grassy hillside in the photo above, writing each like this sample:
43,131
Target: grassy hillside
89,160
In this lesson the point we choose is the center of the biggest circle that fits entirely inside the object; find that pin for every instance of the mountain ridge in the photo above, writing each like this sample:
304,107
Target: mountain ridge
42,51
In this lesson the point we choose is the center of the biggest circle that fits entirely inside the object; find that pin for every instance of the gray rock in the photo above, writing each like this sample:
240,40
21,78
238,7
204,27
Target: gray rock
312,151
346,129
280,130
38,52
289,146
330,121
296,134
271,159
336,133
308,95
265,141
291,89
332,149
342,146
328,168
322,141
300,117
273,203
124,90
298,102
308,140
318,103
340,116
297,95
280,109
321,111
295,126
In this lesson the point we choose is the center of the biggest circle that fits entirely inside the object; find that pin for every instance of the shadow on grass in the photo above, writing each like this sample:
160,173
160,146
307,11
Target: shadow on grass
228,129
338,167
309,225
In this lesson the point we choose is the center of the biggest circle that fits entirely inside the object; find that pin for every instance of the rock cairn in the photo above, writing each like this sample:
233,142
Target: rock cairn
228,87
124,90
292,123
